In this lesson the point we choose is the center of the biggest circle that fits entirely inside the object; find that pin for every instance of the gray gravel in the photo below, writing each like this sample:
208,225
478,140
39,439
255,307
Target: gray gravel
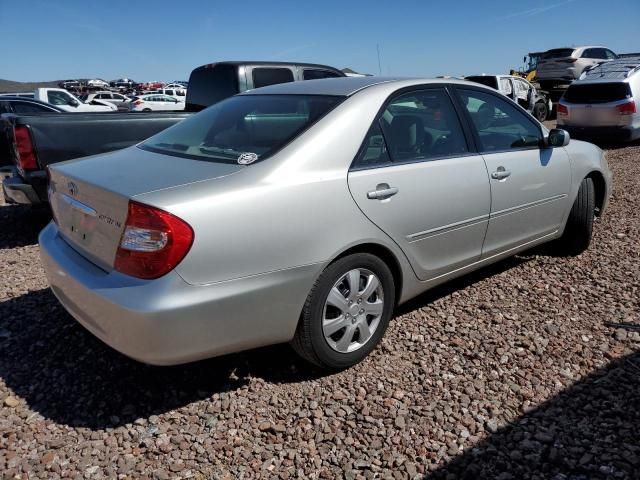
514,372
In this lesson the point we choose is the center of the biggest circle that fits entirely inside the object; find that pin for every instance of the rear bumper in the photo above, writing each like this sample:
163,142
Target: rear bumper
15,190
167,321
603,134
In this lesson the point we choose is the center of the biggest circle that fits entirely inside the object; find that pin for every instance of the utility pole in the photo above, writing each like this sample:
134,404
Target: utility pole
379,64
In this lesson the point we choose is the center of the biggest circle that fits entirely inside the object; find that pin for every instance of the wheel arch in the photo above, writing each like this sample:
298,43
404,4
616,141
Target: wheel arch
600,188
384,254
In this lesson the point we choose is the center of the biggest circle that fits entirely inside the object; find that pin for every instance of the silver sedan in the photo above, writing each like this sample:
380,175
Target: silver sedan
305,212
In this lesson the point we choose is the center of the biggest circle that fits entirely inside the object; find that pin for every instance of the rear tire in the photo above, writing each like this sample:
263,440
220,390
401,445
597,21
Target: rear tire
579,227
540,111
359,315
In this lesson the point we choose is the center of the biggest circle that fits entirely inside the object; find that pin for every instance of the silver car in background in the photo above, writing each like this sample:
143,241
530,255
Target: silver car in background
305,212
564,65
604,104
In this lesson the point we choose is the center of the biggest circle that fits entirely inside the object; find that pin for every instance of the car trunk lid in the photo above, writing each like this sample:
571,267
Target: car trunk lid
90,197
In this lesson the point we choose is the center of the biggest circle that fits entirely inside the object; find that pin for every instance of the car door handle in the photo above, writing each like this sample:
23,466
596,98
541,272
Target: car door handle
500,174
382,192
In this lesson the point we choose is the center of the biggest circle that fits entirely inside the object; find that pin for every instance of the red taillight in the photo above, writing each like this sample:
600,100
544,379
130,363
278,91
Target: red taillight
24,147
138,102
563,110
153,242
628,108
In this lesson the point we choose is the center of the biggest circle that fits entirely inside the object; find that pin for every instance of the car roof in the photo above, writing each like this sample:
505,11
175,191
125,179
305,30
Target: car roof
7,98
262,63
621,69
346,86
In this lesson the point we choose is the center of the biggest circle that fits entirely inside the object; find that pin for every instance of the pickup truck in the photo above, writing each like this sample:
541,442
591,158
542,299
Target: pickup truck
35,141
520,91
69,102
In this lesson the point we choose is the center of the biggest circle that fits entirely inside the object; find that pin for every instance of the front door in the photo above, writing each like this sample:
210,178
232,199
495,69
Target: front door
529,183
417,180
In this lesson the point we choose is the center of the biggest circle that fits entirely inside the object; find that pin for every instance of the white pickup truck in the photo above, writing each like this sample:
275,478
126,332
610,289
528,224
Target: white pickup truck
69,102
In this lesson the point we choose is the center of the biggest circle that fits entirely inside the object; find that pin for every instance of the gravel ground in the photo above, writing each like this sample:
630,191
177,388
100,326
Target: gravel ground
514,372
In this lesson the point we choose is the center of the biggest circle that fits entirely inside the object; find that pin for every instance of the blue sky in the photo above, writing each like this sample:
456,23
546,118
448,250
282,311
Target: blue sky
165,40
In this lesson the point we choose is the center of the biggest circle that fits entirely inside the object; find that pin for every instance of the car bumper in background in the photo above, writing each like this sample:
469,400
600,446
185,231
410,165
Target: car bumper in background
16,191
603,134
168,321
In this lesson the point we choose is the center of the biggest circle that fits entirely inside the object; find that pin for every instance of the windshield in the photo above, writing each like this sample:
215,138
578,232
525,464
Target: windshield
242,129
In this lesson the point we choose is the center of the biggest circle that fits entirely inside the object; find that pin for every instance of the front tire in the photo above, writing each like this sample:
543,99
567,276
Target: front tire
346,313
579,227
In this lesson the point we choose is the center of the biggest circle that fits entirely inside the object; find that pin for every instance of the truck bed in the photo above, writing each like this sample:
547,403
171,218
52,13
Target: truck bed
65,136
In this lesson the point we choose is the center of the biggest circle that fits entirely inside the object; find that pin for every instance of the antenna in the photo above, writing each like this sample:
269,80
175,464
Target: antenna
379,65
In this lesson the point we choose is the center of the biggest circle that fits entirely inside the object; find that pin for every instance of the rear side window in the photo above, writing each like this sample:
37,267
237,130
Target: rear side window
315,74
416,126
484,80
558,53
263,77
27,108
597,92
209,85
244,128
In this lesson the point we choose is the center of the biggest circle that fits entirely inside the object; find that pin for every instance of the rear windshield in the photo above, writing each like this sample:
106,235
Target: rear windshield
558,53
484,80
242,129
597,92
209,85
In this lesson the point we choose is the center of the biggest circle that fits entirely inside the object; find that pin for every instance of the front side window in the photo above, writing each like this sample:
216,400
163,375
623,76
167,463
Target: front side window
263,77
250,127
610,55
499,124
59,98
315,74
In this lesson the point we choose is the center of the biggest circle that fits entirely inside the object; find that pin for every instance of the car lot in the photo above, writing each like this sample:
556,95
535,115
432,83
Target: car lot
512,372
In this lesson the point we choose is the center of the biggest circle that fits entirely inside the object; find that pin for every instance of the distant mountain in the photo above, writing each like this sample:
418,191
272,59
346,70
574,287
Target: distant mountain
9,86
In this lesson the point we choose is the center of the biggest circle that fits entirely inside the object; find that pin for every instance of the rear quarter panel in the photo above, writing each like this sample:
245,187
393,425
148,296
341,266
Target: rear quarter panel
290,210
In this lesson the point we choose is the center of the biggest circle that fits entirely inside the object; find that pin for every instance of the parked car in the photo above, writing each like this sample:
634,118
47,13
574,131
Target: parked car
353,188
70,84
122,83
564,65
519,90
228,78
26,106
178,93
69,102
20,106
175,85
604,104
105,96
154,102
97,83
49,142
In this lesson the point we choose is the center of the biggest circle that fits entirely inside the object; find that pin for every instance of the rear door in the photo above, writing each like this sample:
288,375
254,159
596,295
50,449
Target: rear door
529,184
418,180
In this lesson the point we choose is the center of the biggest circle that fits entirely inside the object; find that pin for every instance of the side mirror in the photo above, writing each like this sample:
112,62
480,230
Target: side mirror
73,103
557,138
